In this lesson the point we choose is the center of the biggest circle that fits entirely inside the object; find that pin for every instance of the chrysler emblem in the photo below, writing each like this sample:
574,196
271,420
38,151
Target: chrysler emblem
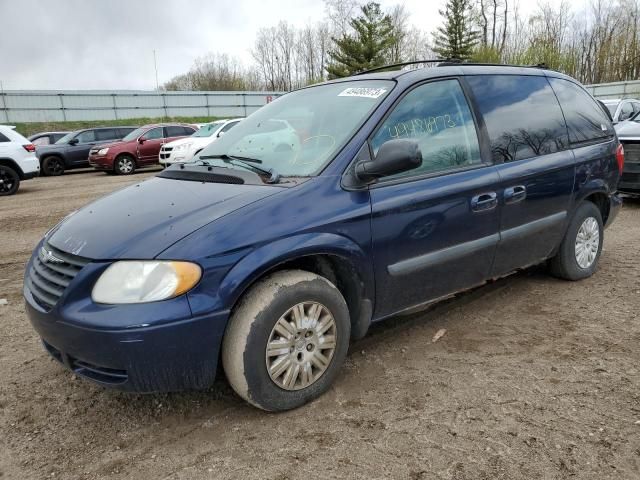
48,257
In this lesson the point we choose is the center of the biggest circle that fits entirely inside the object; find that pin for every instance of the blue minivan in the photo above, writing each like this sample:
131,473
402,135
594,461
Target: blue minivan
333,207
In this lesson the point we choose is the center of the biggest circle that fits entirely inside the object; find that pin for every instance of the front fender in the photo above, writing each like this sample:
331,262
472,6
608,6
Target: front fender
262,259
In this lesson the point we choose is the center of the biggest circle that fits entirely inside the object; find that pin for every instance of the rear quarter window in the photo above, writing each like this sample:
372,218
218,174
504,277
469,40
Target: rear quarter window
4,138
585,119
106,134
522,116
123,132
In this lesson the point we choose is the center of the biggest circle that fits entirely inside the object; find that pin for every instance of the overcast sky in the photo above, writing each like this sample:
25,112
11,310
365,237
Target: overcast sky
108,44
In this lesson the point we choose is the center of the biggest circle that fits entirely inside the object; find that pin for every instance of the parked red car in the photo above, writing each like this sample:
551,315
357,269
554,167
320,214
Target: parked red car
138,149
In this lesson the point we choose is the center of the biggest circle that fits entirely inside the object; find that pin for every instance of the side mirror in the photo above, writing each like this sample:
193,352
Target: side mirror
394,156
141,140
220,134
73,141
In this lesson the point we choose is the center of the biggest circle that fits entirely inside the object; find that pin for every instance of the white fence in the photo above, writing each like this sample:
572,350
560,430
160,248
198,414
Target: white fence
603,91
19,106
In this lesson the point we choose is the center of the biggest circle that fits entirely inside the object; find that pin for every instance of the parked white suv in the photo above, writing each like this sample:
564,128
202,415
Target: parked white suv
184,149
18,160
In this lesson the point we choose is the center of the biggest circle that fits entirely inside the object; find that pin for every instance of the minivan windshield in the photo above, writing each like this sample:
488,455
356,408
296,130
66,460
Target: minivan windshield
208,129
66,138
300,132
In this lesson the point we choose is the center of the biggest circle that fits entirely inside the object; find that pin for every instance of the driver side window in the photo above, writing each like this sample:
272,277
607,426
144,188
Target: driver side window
153,134
437,116
87,137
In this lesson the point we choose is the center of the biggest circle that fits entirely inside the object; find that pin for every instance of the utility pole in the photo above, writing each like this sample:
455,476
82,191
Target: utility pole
4,102
155,65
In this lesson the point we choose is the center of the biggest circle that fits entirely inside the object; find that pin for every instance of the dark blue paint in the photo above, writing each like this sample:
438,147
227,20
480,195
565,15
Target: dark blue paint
237,233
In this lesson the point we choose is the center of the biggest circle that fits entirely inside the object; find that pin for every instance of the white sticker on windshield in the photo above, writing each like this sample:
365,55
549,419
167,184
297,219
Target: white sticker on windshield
366,92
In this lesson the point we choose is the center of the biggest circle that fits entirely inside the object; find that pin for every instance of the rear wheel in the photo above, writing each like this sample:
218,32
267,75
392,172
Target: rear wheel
52,166
125,165
286,341
9,181
580,250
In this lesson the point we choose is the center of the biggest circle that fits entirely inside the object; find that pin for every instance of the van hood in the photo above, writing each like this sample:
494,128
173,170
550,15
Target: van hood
141,221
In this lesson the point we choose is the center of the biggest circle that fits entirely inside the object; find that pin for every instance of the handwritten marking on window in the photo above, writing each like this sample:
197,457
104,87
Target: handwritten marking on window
421,126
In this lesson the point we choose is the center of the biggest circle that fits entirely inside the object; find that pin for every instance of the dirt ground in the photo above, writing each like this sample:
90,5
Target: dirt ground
535,378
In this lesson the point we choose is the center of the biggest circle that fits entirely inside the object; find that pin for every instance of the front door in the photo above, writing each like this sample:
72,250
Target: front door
149,146
435,228
78,154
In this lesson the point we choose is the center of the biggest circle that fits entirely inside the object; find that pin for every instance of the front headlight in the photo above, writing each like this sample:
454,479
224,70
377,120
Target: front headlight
145,281
183,146
103,151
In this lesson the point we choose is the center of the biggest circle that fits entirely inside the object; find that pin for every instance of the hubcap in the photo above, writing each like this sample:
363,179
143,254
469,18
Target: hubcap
6,181
125,165
56,167
587,242
301,346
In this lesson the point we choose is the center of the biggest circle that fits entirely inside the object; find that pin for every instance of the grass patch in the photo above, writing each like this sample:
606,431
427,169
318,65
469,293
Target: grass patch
27,129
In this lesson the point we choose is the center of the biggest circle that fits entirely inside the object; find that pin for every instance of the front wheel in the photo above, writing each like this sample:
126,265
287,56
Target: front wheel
287,340
580,250
125,165
9,181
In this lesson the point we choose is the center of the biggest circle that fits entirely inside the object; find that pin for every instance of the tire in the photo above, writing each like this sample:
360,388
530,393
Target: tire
52,166
585,224
9,181
124,165
252,327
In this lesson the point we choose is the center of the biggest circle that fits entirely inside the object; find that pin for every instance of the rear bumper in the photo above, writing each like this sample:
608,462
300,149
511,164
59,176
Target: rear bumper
30,167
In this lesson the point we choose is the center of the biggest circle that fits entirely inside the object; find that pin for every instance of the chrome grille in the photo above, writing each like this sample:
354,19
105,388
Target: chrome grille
631,152
51,272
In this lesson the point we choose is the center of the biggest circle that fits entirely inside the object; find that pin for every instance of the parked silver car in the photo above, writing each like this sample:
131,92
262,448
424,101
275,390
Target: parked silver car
622,109
629,136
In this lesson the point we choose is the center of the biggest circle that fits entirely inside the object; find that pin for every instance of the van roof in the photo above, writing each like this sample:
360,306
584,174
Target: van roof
447,69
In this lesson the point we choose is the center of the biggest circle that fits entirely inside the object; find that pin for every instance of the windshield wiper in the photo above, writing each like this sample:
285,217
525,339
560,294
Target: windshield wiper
274,177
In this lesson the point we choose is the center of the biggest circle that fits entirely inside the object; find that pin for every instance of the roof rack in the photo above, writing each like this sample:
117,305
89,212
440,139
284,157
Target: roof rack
414,62
447,62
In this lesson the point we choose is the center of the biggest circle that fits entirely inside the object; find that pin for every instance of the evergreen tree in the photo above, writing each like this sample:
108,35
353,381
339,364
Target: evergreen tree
367,47
456,38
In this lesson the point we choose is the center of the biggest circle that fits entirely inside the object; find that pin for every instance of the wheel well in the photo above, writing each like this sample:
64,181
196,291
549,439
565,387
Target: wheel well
51,155
335,269
126,154
601,201
7,162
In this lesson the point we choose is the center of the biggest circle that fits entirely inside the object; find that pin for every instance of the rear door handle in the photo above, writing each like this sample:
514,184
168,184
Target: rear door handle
515,194
484,201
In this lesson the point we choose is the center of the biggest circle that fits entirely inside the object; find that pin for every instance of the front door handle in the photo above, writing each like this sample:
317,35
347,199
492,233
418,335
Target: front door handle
484,201
515,194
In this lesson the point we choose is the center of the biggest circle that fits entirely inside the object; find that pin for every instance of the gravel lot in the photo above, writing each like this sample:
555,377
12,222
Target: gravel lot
534,378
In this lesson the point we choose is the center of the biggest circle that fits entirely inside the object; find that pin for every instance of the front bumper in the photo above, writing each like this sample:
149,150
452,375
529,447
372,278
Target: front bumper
101,162
174,156
152,347
630,178
171,357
